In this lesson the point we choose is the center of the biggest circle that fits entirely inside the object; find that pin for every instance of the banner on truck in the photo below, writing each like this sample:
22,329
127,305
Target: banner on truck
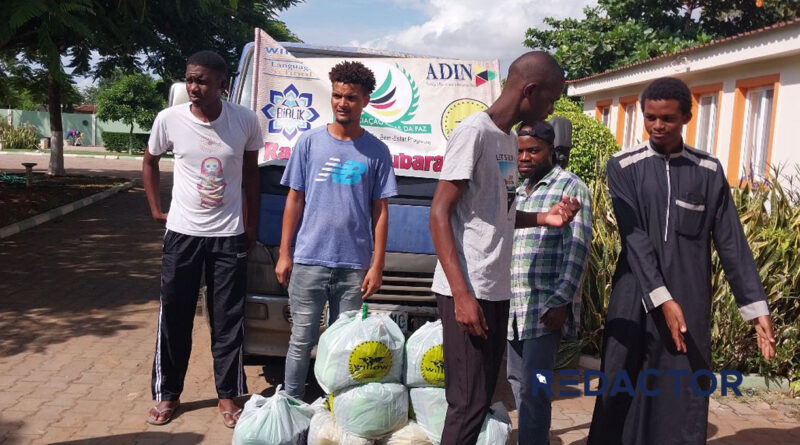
416,105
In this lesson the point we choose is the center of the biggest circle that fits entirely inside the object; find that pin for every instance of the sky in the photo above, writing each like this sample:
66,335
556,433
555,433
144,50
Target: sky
469,29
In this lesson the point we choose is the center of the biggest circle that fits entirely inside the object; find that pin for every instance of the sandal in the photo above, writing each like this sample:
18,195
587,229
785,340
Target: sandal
167,413
232,415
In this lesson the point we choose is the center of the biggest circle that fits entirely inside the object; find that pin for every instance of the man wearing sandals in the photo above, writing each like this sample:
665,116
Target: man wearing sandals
215,144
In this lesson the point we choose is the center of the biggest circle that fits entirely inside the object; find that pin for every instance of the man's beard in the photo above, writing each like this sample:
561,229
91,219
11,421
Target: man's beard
343,120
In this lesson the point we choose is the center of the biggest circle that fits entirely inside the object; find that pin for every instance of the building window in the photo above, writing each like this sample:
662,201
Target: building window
630,123
754,104
602,112
706,122
626,122
755,140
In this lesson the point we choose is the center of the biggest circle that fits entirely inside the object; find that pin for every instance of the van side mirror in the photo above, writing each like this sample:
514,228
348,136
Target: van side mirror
177,94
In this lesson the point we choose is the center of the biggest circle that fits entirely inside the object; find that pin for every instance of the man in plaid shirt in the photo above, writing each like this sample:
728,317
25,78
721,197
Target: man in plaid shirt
546,272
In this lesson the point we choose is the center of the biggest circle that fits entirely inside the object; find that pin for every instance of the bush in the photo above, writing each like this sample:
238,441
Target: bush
592,142
771,220
114,141
22,137
774,237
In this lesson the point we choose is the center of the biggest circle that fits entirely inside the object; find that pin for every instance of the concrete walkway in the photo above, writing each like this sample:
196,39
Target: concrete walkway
78,308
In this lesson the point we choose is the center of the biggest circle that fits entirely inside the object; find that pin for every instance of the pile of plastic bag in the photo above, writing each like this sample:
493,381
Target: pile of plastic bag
424,375
360,364
277,420
359,348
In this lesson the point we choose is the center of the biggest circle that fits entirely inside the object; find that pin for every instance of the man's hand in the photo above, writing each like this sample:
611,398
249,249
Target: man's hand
469,316
555,317
283,269
675,322
765,336
372,282
160,217
563,212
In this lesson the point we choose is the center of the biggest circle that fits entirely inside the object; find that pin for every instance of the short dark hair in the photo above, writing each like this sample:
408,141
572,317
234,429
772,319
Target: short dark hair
353,73
666,88
210,60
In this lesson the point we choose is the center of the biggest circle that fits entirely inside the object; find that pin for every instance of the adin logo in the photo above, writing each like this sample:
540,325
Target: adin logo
289,112
483,75
347,173
394,103
459,74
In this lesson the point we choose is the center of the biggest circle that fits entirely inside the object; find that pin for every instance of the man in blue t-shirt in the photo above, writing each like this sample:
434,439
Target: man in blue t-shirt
340,178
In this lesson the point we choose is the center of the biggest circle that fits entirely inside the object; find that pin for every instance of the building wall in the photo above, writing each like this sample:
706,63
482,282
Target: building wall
785,121
85,123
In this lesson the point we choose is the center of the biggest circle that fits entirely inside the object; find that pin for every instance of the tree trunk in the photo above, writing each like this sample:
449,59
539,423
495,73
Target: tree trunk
56,167
130,141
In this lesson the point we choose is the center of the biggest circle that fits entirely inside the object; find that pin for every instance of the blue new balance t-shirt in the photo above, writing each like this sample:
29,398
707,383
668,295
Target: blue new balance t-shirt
340,180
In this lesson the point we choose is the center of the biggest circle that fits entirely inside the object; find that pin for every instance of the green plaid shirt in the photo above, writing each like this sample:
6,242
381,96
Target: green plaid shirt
548,263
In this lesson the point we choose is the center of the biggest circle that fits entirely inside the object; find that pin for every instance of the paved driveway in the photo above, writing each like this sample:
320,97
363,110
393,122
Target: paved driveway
78,308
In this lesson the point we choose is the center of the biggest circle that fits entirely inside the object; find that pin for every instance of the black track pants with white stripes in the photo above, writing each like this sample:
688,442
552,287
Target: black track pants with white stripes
224,260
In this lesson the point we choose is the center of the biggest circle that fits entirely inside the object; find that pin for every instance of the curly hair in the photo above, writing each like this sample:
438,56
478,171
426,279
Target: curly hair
669,88
353,73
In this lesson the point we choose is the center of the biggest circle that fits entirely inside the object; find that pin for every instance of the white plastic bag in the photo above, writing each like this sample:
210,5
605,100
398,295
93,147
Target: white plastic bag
324,431
371,410
359,349
430,407
496,427
424,364
411,434
278,420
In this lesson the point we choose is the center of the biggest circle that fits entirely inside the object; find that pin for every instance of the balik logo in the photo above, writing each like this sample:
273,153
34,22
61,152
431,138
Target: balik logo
289,112
394,103
347,173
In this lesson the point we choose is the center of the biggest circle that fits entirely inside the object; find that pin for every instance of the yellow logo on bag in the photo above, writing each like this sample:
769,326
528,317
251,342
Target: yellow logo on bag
370,362
432,366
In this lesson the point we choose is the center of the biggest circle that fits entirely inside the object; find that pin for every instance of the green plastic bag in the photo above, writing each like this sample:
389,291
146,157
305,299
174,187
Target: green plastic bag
371,410
359,348
496,428
430,407
424,365
278,420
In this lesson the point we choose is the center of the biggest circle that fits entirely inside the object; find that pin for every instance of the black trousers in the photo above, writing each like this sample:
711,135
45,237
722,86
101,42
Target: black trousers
471,367
224,260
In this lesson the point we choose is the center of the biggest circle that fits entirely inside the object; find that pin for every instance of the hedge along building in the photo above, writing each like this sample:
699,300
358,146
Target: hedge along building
745,98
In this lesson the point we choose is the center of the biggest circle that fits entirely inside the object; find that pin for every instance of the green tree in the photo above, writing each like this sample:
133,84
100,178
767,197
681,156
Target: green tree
36,33
131,35
133,99
619,32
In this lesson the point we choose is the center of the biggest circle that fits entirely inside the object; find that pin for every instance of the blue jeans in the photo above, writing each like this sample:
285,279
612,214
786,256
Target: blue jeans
533,410
309,288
